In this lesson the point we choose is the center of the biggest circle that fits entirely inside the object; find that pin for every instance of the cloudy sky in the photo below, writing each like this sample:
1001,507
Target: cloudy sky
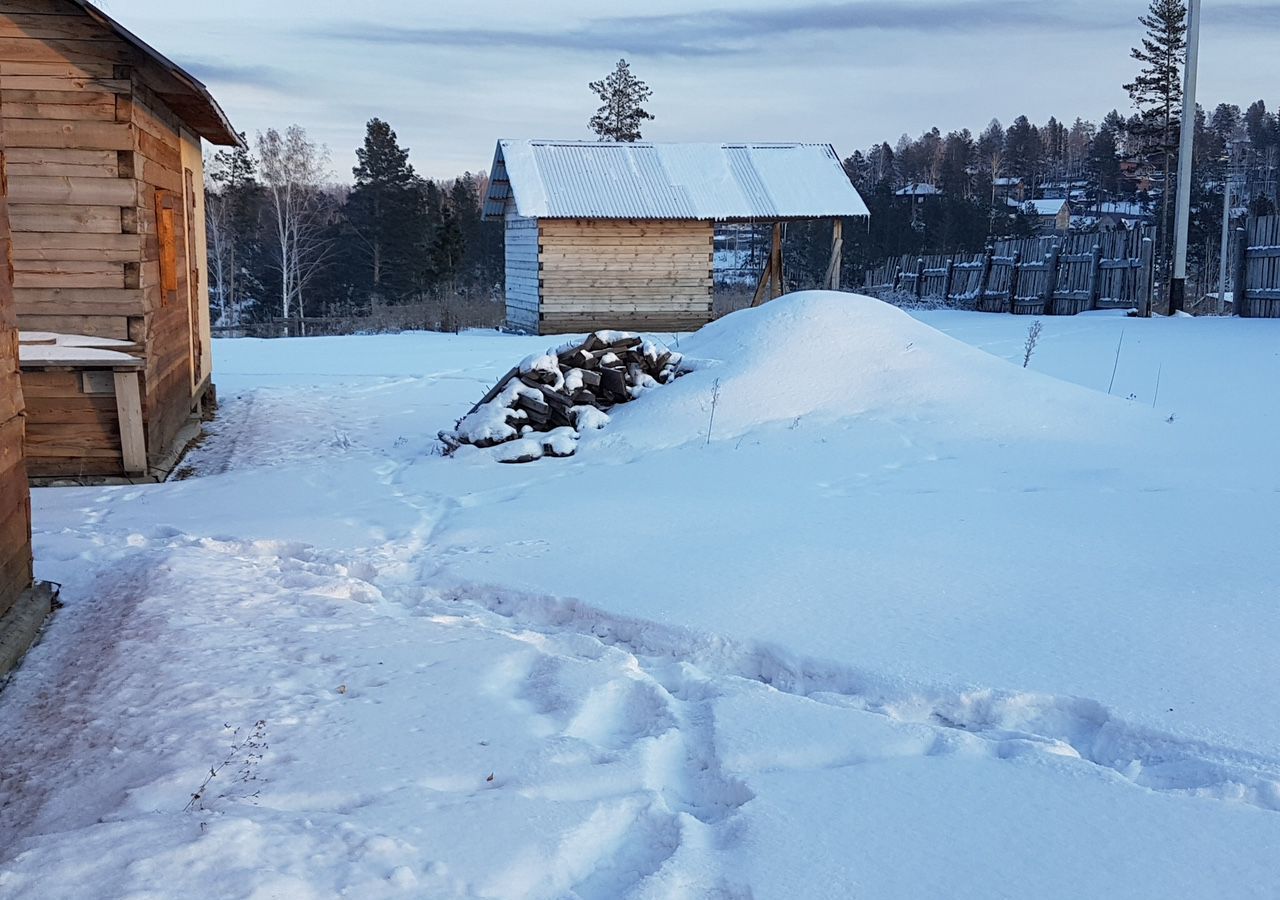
452,77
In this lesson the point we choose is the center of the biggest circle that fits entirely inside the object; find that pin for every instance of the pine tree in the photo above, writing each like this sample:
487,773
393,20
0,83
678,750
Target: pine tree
233,212
1024,151
1157,93
386,213
1103,164
621,114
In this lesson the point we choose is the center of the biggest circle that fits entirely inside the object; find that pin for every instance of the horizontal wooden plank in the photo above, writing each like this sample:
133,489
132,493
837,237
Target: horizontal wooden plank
68,412
677,307
104,437
45,24
45,170
46,273
623,287
66,190
40,450
77,302
72,246
165,153
58,67
8,98
55,82
45,155
45,386
50,218
61,111
76,52
111,325
624,291
654,246
69,135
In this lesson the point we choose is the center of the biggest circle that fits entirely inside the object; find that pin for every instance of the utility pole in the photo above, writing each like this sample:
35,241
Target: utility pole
1228,174
1178,284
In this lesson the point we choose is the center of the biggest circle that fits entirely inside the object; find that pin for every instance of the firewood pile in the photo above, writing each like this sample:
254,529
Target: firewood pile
542,406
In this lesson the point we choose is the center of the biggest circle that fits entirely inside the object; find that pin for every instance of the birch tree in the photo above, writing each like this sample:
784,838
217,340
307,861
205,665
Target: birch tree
293,171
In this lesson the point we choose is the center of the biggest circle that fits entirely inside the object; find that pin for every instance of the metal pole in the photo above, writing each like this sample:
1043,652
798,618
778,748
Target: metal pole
1178,284
1226,228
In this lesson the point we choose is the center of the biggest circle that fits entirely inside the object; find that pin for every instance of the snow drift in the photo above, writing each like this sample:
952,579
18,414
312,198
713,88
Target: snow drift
822,355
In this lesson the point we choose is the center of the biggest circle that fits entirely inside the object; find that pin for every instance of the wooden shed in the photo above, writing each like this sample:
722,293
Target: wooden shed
104,160
621,235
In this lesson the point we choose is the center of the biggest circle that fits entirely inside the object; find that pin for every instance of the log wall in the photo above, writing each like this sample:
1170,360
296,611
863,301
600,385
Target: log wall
71,433
170,293
104,183
626,274
15,499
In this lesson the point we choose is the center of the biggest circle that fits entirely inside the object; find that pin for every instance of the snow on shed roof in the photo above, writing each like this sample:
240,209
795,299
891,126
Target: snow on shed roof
601,180
1041,207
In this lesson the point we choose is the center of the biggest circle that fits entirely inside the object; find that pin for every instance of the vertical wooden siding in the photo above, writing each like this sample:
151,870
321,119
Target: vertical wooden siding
522,271
641,275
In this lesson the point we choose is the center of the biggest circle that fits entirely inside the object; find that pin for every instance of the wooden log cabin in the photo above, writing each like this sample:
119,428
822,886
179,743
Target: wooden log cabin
15,498
621,235
105,176
23,604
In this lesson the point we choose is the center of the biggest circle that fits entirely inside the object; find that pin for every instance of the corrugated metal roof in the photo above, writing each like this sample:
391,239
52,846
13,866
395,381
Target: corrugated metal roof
598,180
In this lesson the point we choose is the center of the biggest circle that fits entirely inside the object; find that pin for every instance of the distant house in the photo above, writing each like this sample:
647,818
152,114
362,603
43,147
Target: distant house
1110,216
1009,188
1051,215
621,235
919,190
106,191
1139,175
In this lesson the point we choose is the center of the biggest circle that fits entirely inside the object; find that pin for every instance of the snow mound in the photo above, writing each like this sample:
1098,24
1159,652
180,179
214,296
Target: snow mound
826,356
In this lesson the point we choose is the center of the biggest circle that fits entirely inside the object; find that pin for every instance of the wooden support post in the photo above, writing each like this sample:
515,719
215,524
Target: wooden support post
1095,276
778,288
947,276
1050,279
133,442
770,284
1240,275
985,279
762,286
1146,277
832,280
1013,282
919,277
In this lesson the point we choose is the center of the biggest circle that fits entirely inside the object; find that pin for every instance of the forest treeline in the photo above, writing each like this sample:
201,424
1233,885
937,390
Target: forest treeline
287,240
973,182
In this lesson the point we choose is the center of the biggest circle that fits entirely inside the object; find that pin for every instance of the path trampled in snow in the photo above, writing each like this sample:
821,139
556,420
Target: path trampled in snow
399,623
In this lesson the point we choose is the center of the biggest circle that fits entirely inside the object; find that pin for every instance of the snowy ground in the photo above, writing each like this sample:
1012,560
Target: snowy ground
915,622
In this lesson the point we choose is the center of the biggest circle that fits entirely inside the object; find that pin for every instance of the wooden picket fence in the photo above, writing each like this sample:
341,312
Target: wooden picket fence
1257,268
1058,276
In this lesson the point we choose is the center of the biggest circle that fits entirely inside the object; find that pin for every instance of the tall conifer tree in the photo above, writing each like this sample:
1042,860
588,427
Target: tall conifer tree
1157,93
620,116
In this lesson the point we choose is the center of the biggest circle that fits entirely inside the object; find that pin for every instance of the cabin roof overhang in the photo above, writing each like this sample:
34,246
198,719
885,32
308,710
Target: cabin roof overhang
747,182
182,92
